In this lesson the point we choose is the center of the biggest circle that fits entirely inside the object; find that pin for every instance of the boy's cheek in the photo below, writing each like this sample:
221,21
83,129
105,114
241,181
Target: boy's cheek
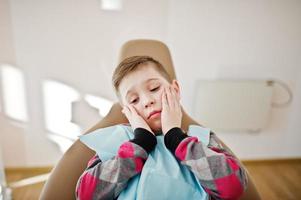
161,94
138,110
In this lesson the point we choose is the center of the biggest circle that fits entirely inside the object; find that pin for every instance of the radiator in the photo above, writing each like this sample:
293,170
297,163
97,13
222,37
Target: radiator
229,105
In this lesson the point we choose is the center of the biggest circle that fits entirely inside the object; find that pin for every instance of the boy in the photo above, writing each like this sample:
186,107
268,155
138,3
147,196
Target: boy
150,101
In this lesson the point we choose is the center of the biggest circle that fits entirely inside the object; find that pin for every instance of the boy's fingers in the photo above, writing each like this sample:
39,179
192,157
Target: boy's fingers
164,100
128,111
175,97
124,110
178,96
133,110
170,96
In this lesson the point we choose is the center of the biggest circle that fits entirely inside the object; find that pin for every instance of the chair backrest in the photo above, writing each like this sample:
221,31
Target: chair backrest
156,49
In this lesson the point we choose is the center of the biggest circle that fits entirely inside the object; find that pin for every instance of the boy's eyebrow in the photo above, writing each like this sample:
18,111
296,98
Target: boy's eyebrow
148,80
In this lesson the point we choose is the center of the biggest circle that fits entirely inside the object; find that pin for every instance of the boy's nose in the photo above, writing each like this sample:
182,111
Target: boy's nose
148,101
149,104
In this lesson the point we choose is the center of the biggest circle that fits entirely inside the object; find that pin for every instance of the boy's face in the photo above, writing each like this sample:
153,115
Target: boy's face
143,90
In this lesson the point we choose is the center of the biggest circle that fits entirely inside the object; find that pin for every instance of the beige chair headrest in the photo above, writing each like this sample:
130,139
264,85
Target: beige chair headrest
156,49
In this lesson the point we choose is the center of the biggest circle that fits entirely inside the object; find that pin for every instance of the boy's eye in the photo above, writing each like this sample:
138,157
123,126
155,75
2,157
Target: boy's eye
155,89
134,100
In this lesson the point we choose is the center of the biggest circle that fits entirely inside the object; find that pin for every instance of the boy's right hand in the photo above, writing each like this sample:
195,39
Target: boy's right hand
134,118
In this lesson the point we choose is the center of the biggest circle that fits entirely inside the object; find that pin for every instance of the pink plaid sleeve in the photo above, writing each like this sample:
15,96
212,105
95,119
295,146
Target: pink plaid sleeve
106,180
217,169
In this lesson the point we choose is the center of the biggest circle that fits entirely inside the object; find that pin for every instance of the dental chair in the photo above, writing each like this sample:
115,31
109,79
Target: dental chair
62,181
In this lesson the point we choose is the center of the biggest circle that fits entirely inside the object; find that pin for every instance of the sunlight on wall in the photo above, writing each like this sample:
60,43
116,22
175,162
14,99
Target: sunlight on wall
89,110
62,142
14,98
57,105
111,4
103,105
61,103
84,115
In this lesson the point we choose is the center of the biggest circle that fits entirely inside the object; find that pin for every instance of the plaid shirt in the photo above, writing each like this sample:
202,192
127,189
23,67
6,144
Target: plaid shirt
218,171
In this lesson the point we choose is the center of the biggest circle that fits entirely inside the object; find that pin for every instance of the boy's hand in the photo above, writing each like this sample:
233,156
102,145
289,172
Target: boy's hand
134,118
171,115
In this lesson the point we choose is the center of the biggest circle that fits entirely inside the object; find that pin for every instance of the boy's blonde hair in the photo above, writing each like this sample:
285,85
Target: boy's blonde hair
133,63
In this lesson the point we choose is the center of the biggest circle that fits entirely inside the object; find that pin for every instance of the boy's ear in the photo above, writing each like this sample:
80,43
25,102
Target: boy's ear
176,86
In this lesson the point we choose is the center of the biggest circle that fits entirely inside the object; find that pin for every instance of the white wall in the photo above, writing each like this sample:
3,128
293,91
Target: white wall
77,43
242,40
11,135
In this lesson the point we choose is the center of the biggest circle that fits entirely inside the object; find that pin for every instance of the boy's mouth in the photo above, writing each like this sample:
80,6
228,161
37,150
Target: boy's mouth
154,114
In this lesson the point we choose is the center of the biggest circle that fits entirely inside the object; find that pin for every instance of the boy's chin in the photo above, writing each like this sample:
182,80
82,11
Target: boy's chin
157,130
156,127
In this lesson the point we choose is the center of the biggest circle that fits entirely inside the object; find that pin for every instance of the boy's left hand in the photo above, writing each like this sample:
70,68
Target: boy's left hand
171,114
134,118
